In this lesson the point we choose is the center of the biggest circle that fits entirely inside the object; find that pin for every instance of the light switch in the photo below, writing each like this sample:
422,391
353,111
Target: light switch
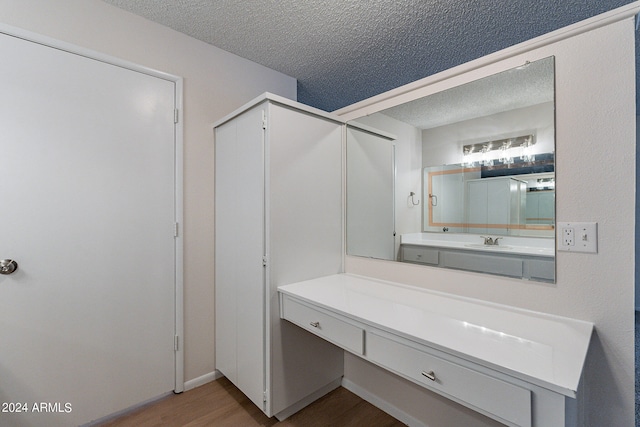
577,236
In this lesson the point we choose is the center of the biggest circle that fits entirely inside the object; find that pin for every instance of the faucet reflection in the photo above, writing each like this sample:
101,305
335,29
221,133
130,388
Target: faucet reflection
489,241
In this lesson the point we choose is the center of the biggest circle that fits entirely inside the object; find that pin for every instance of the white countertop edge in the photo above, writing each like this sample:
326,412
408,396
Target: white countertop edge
569,390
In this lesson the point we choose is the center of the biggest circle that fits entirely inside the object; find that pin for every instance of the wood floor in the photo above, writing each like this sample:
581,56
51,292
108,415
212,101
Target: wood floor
220,403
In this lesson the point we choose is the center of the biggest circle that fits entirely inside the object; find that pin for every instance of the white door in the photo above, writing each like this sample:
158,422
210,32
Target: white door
87,210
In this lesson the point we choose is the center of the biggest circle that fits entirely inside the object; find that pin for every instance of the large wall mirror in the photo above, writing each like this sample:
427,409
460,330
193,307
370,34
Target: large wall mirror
463,178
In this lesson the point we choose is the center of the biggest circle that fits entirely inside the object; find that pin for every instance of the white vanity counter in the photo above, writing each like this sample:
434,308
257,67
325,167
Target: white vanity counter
531,246
471,343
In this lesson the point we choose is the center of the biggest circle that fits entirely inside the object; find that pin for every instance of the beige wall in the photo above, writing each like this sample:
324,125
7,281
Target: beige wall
215,83
595,171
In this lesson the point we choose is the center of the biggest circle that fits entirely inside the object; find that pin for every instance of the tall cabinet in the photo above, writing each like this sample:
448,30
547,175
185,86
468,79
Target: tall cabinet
278,201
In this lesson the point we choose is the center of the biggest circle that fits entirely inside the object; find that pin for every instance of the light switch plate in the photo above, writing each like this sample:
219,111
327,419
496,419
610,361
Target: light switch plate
577,236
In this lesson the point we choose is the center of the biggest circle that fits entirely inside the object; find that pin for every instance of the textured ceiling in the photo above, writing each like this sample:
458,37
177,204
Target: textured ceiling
520,87
343,51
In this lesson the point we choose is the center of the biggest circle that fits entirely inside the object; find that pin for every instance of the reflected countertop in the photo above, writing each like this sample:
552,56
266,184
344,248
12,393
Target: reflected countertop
532,246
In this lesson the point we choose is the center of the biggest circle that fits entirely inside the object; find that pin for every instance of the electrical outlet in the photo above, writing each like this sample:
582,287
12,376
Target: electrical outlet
568,236
578,236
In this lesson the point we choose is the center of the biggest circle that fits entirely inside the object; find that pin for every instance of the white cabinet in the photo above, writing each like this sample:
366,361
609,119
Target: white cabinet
540,268
278,204
519,367
495,398
495,205
325,325
541,207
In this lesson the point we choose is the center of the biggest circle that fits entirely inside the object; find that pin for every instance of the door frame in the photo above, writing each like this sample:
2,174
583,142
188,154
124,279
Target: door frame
178,171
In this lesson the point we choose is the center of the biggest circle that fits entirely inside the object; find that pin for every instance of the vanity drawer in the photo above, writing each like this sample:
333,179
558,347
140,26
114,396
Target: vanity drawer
420,255
498,399
332,329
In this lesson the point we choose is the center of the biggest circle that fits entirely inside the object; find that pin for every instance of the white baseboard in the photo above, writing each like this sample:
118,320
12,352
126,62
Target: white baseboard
202,380
126,411
381,404
191,384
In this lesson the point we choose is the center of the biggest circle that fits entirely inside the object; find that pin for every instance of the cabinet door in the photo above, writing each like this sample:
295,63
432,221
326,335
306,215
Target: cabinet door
239,248
533,207
225,295
540,207
477,206
547,204
499,200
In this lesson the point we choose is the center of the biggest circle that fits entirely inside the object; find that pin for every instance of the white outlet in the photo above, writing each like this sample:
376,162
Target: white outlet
578,236
568,236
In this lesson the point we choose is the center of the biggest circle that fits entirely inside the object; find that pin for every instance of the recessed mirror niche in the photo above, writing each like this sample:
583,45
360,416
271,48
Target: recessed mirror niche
463,178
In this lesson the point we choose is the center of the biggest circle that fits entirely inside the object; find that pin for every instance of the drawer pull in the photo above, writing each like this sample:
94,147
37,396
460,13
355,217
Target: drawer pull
431,375
315,324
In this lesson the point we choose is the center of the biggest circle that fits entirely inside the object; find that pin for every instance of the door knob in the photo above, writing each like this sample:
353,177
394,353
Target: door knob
8,266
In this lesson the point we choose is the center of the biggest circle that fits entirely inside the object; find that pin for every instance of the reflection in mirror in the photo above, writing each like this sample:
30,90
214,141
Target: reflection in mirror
474,176
370,171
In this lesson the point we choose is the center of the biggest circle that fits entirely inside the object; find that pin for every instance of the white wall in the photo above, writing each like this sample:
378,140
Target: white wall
215,83
595,171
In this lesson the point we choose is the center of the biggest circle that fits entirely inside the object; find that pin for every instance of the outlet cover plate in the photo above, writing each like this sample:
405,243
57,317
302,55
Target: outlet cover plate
577,237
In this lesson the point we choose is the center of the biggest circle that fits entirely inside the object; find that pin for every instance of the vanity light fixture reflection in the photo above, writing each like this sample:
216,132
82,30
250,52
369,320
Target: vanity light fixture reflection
503,150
